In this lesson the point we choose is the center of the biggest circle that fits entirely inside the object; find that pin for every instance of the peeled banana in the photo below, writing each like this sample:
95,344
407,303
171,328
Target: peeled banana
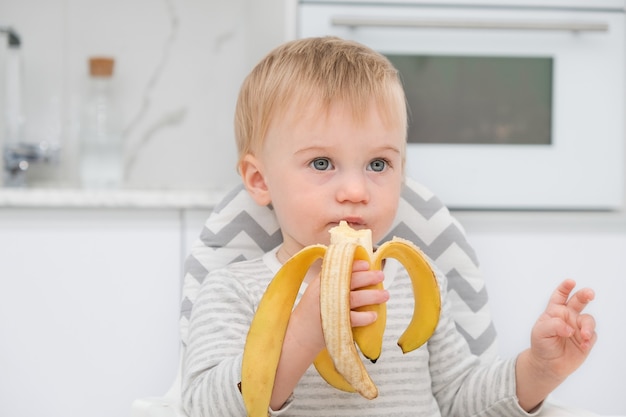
339,364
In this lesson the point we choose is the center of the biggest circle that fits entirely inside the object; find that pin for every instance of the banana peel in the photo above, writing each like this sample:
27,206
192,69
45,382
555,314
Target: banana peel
339,364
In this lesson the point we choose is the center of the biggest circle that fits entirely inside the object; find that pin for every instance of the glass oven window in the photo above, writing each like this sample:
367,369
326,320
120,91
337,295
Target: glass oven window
477,99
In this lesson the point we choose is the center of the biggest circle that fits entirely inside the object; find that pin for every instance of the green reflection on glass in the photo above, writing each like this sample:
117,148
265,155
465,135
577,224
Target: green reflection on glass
477,100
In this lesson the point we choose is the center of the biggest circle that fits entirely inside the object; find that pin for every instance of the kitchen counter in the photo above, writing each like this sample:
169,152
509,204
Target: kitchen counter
121,198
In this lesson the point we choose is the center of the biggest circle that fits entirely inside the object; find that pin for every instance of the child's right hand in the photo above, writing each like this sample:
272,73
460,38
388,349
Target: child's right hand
307,312
304,339
362,277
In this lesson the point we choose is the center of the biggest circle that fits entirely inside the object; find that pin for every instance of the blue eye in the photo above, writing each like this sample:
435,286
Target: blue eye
321,164
378,165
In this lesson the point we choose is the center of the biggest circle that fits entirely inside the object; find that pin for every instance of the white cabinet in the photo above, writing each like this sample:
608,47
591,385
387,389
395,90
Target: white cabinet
88,309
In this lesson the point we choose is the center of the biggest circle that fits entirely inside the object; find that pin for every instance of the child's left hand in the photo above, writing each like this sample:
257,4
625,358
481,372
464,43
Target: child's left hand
561,340
563,336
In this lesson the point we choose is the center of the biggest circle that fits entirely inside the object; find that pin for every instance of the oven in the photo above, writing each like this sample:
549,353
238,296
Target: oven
515,107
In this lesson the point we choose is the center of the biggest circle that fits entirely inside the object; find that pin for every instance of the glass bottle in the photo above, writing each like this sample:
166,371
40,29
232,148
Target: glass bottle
101,145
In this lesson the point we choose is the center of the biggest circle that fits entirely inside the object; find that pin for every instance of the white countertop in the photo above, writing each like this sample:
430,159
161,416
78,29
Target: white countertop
119,198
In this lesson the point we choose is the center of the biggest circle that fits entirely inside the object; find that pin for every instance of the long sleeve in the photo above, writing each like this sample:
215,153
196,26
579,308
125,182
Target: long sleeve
218,327
441,378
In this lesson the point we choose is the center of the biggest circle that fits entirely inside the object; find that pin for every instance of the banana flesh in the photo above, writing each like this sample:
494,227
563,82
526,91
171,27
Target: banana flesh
339,364
335,312
368,338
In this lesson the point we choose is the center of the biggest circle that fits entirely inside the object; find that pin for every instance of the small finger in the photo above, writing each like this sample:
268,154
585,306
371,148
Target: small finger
580,299
554,327
586,335
362,298
587,344
360,265
362,318
562,292
587,325
366,278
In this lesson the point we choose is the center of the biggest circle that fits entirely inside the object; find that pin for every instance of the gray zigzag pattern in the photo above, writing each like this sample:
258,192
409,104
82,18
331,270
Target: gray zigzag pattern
427,208
185,308
452,234
194,268
243,222
228,198
475,300
480,344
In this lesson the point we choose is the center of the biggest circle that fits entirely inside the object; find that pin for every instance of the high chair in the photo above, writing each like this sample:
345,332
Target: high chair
239,229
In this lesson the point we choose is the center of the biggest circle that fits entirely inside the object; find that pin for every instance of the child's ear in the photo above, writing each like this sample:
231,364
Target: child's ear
251,171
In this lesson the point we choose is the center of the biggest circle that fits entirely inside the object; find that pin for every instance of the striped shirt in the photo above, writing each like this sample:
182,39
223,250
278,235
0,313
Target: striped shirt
441,378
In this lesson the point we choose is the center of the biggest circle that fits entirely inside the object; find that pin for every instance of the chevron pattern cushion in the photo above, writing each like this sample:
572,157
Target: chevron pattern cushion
239,229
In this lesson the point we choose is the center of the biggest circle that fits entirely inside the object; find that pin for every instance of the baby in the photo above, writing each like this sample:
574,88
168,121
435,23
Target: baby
321,133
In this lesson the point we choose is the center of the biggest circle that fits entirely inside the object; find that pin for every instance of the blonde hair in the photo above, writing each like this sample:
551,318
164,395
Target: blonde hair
322,70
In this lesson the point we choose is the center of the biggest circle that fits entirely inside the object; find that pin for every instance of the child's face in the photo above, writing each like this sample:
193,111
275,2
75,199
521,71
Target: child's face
320,168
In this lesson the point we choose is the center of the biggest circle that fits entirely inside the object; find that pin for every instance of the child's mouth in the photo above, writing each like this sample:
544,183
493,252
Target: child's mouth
353,222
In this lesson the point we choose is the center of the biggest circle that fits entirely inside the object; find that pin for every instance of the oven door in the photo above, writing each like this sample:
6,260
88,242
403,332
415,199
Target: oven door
509,108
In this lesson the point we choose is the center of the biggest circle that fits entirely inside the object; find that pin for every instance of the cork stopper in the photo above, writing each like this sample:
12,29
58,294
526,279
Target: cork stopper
101,66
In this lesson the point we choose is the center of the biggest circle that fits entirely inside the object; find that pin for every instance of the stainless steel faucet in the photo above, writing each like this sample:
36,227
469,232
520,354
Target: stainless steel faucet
18,154
19,157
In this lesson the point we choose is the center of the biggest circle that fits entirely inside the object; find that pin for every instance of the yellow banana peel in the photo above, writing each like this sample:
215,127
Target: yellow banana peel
339,364
267,331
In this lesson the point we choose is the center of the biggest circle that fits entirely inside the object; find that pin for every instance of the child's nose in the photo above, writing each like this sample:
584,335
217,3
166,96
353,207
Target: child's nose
353,188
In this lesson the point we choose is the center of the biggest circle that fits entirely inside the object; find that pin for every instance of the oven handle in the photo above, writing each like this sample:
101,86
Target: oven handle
354,21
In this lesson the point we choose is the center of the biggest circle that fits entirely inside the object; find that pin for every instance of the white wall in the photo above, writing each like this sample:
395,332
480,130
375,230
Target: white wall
524,256
179,64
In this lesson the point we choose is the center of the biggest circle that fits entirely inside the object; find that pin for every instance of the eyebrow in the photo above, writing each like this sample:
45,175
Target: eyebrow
322,149
393,149
389,148
311,149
